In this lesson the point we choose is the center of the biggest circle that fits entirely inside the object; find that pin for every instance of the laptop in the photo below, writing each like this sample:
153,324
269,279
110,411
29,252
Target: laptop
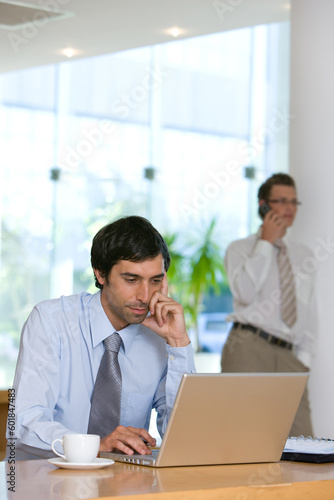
226,418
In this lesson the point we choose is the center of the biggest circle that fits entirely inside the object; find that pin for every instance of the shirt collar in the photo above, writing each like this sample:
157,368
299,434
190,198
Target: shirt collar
101,327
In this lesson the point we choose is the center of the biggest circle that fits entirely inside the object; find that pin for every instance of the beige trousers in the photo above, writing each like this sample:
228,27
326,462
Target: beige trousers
246,352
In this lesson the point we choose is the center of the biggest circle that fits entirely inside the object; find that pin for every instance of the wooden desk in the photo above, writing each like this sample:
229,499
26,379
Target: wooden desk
3,422
39,480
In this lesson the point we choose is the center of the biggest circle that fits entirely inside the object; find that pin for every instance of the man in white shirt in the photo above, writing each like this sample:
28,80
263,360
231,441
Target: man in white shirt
260,339
62,344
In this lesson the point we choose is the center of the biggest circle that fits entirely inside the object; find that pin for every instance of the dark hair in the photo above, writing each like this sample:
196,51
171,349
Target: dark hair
275,180
128,238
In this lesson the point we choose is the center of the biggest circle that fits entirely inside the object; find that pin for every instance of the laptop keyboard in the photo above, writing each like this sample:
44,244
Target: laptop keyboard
138,459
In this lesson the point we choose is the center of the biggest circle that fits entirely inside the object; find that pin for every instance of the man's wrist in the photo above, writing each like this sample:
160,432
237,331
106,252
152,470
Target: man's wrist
174,342
270,239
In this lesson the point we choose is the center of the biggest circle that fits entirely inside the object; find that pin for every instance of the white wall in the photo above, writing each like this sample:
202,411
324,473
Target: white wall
311,164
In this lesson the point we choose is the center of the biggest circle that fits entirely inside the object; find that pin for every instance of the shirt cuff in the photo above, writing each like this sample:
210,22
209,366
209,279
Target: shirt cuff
181,359
263,247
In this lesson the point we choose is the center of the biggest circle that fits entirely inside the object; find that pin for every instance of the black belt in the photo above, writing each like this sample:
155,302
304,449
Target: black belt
265,335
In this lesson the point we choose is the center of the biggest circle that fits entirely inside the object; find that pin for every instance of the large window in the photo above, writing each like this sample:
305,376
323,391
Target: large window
180,133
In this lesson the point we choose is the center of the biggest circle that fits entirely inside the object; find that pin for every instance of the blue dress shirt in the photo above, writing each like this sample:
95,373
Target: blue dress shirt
60,353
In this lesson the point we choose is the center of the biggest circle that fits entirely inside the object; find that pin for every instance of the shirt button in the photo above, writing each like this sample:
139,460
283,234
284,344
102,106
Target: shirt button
171,357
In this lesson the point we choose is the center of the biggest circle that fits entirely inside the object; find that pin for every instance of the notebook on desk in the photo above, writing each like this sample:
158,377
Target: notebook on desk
227,418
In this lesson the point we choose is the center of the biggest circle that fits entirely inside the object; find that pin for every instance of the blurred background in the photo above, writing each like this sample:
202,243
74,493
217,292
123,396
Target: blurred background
181,132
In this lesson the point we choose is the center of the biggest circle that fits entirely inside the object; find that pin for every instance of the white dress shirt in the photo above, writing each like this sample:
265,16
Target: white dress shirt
60,353
252,270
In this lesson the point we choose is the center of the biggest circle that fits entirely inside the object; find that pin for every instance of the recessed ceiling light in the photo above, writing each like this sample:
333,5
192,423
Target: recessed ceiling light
175,31
69,52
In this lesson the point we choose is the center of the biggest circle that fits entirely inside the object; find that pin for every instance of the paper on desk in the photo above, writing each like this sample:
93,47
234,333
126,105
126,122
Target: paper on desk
309,445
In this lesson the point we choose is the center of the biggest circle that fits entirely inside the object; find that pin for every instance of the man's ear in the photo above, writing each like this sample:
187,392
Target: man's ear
100,278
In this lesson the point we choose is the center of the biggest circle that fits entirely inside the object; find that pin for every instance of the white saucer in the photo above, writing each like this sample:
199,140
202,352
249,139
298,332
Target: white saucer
98,463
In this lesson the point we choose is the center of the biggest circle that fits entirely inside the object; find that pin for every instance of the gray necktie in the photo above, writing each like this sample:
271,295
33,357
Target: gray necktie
288,289
106,400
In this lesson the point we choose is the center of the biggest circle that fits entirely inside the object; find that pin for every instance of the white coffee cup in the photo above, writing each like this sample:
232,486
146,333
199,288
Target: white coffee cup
78,448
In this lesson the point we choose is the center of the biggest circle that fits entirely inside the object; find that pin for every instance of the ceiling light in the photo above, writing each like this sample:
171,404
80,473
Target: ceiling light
69,52
175,32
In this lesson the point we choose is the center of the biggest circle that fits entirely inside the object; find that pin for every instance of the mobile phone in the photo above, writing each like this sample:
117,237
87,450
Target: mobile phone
264,208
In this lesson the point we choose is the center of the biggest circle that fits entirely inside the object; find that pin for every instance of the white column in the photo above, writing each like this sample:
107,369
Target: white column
311,164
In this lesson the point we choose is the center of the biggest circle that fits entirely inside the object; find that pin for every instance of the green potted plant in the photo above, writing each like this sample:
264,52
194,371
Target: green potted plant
196,271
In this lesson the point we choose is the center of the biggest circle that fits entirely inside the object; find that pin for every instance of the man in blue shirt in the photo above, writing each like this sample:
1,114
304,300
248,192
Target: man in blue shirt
62,347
